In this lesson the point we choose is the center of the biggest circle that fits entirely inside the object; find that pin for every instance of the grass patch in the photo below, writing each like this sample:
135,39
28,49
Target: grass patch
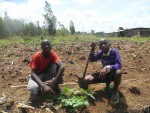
60,39
11,41
32,40
67,39
133,39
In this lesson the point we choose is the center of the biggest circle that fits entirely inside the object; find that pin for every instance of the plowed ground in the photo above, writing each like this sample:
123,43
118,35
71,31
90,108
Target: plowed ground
134,88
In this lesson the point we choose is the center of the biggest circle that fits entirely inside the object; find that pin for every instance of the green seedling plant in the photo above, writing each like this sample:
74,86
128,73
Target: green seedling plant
73,100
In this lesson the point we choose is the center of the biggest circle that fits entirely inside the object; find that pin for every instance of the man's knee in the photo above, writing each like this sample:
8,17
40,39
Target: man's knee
53,69
33,89
119,72
89,78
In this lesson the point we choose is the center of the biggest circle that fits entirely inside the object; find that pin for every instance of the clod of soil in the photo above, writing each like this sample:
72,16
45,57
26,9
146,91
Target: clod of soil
135,90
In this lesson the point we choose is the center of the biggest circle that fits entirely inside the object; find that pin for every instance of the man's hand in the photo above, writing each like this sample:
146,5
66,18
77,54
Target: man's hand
48,89
103,73
93,45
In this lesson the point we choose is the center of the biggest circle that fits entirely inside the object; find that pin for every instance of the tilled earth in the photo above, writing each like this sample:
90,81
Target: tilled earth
134,88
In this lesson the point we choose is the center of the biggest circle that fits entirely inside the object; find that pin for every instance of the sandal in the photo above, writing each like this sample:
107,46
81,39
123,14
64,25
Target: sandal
115,98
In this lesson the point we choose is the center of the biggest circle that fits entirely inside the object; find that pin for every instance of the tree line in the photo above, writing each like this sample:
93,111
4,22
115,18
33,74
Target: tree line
14,27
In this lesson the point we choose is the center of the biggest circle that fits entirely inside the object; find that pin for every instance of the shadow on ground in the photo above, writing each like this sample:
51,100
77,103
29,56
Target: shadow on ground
121,107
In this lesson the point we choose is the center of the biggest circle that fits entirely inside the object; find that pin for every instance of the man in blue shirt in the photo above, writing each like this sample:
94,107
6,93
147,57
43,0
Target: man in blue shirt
111,68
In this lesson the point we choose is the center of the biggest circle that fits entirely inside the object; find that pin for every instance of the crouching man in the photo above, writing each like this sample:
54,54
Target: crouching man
110,71
45,65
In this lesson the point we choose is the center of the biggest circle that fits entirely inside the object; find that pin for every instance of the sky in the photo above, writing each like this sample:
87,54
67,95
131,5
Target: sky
87,15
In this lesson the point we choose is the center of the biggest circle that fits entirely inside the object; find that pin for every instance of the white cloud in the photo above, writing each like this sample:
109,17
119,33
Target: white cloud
54,2
83,1
30,11
80,18
98,15
146,7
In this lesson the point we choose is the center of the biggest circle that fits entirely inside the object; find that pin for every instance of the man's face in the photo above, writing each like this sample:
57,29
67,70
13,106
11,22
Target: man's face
46,47
104,45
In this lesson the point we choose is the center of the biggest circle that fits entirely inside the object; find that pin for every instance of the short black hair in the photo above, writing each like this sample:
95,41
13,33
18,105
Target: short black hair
45,41
104,40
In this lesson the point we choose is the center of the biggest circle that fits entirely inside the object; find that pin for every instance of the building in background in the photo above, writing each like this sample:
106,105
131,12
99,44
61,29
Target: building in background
141,32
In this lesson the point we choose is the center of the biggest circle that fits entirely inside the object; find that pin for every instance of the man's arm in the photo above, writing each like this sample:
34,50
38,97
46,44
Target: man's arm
59,74
39,82
36,78
117,62
107,68
94,57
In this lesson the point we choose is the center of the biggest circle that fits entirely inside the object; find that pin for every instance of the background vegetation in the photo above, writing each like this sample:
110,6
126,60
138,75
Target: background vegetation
65,39
13,27
13,31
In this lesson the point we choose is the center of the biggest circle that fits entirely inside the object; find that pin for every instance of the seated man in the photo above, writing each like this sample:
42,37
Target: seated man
45,65
111,68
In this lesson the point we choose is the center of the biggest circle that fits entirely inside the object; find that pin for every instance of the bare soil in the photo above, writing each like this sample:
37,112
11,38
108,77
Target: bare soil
134,88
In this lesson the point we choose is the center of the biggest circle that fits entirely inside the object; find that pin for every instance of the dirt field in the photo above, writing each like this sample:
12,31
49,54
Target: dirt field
134,88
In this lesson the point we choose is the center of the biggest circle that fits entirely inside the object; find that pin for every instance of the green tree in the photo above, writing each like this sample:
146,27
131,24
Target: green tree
39,29
72,28
50,19
62,31
30,29
99,33
8,24
120,28
92,32
2,28
17,27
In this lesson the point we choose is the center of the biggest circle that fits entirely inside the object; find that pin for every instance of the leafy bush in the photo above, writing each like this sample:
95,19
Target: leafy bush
75,99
